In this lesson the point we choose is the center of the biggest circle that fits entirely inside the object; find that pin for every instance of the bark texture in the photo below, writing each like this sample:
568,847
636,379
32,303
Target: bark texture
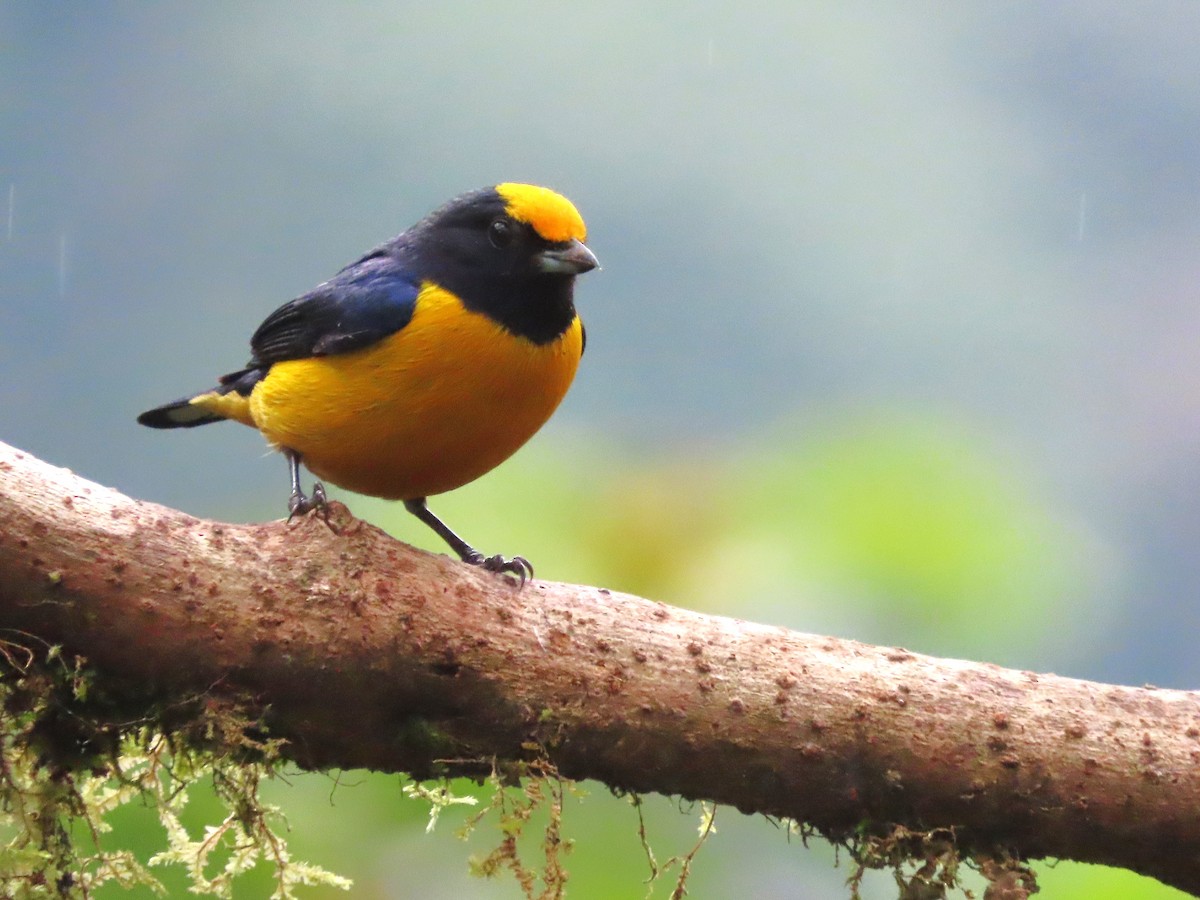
367,653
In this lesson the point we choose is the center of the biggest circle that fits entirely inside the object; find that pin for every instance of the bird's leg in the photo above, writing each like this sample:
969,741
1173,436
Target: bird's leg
518,565
298,503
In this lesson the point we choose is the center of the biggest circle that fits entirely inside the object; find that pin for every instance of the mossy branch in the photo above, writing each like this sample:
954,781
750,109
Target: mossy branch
362,652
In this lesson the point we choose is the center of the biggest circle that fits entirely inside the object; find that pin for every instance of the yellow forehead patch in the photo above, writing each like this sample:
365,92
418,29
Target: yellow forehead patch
552,215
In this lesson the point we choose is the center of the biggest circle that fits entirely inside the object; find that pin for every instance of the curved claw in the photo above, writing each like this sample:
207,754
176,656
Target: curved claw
518,565
299,505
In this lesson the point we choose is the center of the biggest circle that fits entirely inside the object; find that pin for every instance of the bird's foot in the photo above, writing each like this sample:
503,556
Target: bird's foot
299,505
518,565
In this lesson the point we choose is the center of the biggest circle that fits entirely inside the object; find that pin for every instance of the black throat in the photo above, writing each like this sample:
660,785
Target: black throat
539,308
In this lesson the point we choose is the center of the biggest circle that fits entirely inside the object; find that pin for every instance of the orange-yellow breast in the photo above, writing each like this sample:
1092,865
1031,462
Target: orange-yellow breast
428,409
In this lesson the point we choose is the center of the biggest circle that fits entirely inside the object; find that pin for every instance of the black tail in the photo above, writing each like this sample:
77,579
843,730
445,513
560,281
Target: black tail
182,414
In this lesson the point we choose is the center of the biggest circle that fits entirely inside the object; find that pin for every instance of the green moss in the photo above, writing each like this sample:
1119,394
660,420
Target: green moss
72,754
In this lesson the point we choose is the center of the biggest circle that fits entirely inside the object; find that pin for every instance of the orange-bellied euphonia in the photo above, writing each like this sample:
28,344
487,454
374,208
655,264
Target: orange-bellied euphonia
422,365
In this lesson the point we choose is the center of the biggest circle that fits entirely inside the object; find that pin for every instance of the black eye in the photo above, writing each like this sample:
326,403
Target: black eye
501,233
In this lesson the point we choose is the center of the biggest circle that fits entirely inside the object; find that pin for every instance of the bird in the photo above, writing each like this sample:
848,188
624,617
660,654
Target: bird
422,365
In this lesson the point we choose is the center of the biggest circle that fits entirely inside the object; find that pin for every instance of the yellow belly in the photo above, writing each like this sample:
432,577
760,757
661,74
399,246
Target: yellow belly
434,406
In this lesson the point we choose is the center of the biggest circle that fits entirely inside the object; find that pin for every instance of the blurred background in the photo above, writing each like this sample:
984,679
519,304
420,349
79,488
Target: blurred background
895,337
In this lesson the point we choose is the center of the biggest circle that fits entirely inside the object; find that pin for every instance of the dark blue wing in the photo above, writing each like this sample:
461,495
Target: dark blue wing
364,303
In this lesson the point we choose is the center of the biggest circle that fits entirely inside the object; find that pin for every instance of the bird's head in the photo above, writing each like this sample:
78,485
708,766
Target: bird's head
555,220
511,252
511,230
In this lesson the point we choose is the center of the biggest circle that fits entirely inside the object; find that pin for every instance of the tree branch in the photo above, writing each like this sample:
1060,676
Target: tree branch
365,652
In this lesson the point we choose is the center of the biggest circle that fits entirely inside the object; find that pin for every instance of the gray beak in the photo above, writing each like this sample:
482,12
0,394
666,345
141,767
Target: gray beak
573,259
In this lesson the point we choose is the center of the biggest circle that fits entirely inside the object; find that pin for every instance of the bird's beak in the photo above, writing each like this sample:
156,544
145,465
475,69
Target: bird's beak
572,259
